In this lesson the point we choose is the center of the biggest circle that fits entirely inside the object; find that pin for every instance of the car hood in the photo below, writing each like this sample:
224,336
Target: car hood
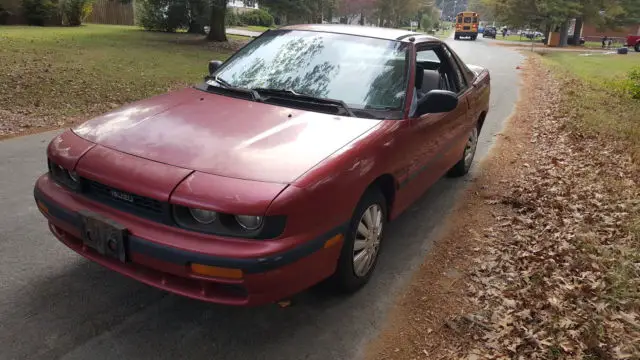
224,136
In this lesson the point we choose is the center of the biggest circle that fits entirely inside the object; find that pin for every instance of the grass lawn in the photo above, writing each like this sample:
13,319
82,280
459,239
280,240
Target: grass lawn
597,90
596,67
56,74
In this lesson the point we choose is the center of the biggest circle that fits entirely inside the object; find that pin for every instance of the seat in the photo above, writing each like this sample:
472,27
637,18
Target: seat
426,80
431,80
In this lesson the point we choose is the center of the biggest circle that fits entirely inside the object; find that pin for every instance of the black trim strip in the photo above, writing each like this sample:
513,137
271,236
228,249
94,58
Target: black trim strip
182,257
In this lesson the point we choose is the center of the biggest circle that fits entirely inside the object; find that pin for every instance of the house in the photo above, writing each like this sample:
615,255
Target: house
590,32
243,4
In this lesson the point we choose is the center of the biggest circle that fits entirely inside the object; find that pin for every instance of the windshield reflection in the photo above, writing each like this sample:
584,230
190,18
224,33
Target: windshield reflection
363,72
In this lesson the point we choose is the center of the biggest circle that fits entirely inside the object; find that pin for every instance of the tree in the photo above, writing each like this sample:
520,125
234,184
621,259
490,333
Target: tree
217,28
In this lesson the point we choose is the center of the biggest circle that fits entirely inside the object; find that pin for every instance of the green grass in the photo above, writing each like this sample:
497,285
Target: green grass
597,96
60,73
596,67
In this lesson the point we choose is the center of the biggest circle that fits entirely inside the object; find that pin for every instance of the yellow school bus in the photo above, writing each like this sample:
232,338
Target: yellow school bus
467,25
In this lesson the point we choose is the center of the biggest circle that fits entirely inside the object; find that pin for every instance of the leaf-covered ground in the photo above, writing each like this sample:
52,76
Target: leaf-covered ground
542,259
52,77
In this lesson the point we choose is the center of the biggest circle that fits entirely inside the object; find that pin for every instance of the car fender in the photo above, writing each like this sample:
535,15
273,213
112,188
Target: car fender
326,196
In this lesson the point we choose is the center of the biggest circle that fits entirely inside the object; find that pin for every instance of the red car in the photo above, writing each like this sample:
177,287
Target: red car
279,171
634,42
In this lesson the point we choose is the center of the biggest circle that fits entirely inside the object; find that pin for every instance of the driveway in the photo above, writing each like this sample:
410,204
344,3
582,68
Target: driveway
242,32
56,305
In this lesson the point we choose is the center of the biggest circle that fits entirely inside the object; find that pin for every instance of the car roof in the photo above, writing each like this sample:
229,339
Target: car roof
358,30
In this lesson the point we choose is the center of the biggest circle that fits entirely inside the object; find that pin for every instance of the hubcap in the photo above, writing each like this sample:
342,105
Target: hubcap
470,149
367,240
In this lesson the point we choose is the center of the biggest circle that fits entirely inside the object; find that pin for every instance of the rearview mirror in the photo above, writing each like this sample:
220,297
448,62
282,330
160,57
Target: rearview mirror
214,65
437,101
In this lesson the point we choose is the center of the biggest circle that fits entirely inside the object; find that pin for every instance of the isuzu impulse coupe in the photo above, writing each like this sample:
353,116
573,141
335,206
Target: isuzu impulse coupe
279,171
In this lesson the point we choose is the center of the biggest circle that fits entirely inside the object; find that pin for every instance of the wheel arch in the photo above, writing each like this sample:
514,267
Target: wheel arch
387,184
481,119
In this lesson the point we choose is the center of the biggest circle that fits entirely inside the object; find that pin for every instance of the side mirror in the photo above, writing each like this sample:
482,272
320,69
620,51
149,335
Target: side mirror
437,101
214,65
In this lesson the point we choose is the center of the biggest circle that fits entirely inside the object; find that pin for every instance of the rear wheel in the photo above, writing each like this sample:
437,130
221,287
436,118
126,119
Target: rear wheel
637,47
462,167
362,242
456,37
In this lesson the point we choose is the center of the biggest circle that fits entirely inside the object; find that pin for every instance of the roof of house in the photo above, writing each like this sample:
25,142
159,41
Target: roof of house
369,31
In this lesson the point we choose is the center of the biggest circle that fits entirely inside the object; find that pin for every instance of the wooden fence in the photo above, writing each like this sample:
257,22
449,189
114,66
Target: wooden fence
111,12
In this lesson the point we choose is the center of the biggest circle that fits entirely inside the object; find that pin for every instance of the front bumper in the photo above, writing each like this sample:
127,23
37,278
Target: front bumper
266,277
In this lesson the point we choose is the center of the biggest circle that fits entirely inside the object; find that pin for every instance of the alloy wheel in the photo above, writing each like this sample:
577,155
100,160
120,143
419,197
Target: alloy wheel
367,240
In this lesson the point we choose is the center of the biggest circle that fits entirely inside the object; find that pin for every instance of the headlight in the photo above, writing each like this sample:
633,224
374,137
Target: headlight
68,178
226,224
203,216
249,222
74,176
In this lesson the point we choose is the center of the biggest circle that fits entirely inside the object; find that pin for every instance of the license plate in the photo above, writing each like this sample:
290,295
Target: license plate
104,235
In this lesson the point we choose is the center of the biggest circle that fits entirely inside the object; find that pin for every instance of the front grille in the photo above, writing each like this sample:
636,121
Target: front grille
125,201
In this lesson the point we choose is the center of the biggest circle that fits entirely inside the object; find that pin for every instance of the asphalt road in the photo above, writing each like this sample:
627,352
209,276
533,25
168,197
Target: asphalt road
54,304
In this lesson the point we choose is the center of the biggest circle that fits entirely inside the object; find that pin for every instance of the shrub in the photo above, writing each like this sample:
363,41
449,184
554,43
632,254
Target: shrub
39,12
232,18
634,83
257,17
162,15
74,12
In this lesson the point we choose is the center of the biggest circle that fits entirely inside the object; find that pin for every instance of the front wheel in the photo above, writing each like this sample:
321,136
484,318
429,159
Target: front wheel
361,247
461,168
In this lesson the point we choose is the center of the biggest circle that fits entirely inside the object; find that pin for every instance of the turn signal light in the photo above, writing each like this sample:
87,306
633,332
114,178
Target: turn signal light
214,271
333,241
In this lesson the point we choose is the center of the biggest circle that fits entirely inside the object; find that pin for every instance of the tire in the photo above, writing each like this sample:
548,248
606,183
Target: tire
456,37
637,47
461,168
348,277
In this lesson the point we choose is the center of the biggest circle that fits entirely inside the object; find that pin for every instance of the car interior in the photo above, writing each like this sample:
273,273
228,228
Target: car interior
434,72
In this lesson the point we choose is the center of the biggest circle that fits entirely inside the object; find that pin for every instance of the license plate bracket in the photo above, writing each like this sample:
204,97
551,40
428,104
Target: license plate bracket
104,235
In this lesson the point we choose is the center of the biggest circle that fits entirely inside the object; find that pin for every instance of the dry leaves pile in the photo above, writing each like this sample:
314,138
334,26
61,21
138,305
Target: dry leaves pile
545,246
561,274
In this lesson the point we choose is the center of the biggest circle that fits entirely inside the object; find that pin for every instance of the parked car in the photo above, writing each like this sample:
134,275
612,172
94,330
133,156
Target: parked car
634,42
490,32
277,172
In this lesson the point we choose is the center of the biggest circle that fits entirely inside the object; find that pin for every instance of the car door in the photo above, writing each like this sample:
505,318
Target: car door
434,137
460,121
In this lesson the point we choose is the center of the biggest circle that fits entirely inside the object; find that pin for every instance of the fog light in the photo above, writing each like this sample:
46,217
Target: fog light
215,271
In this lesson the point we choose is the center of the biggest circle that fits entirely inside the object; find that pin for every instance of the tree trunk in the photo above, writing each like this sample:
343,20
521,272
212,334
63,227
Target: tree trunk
217,29
577,31
563,34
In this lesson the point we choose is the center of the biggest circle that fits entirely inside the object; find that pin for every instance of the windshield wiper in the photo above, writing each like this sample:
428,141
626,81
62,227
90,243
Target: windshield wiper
224,84
306,98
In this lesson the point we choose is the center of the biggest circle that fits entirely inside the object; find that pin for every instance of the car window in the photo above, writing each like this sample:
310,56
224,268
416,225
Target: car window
458,77
363,72
427,55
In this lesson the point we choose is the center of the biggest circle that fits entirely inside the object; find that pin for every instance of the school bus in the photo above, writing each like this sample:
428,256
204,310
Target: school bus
467,25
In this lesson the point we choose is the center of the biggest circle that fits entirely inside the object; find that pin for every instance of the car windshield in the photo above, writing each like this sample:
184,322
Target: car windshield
364,73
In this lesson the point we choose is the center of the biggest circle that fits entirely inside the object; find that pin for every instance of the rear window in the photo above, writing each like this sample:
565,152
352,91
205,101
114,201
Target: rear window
467,20
459,19
475,20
